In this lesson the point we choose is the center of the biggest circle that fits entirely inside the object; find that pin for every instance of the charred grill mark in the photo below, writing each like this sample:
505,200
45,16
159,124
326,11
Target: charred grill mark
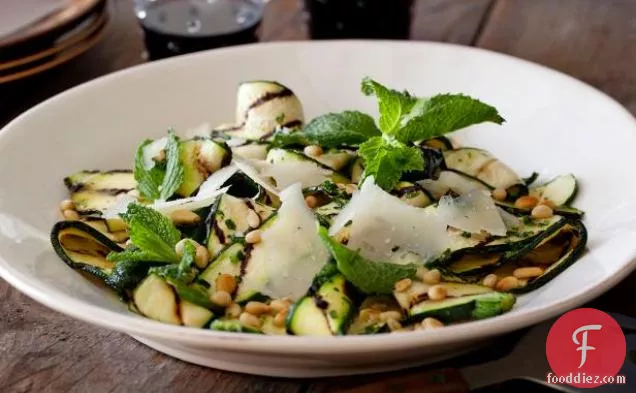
484,166
247,253
268,97
218,232
320,302
293,123
89,212
112,171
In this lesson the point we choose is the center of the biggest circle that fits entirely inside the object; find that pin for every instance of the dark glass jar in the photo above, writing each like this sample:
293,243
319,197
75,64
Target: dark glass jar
174,27
373,19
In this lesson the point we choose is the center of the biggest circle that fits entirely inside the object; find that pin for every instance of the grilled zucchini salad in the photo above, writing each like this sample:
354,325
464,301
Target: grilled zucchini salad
344,225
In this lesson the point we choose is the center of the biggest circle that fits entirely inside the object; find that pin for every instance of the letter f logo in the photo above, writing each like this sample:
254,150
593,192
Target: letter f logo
584,347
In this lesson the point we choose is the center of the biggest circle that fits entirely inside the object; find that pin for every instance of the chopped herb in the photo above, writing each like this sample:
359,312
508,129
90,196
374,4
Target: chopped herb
230,224
465,234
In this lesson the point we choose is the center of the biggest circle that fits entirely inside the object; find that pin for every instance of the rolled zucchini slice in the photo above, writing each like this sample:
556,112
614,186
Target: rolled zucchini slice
464,308
84,248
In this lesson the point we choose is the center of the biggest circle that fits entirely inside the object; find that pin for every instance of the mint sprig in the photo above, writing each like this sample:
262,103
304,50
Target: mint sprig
387,159
159,182
369,277
392,104
153,235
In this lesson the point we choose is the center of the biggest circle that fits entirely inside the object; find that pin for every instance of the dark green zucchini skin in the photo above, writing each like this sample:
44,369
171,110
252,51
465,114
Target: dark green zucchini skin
123,277
575,249
59,227
565,211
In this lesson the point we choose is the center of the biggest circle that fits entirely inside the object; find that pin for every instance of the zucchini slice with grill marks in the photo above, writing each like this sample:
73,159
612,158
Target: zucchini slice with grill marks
336,159
200,157
155,299
83,247
482,165
561,190
452,181
278,155
555,254
327,312
194,315
93,191
464,308
261,108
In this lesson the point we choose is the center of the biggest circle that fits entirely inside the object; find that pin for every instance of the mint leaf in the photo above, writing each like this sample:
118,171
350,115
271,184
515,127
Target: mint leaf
187,260
445,113
174,168
368,276
154,235
348,128
132,254
387,159
392,104
289,137
148,180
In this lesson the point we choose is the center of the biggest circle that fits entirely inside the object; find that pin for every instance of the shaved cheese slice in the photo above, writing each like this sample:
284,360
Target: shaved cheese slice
191,203
511,221
252,151
234,142
120,206
217,179
286,173
472,212
152,150
382,225
290,253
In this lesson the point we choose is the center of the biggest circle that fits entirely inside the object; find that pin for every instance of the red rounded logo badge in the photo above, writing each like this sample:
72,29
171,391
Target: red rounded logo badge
585,348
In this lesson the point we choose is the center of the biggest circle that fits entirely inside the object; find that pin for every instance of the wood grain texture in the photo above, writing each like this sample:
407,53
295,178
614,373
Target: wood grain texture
44,351
591,40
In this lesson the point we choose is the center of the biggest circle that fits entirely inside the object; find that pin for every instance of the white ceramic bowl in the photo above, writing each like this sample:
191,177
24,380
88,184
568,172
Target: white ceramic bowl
555,125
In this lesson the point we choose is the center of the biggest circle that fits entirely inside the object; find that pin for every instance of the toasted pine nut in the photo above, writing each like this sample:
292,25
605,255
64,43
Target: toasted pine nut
526,202
250,320
278,305
225,282
542,211
184,217
421,272
202,257
403,284
527,272
233,310
280,318
253,236
257,308
432,277
253,219
67,204
312,150
394,325
70,215
548,203
507,283
490,280
221,298
437,292
432,323
387,315
499,194
311,201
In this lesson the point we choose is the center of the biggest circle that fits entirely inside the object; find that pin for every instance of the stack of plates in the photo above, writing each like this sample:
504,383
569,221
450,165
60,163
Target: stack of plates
52,40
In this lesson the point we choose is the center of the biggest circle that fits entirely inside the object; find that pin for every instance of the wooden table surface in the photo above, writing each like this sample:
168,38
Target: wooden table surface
44,351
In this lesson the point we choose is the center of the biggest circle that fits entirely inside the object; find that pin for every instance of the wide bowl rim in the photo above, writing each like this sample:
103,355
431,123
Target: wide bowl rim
241,342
